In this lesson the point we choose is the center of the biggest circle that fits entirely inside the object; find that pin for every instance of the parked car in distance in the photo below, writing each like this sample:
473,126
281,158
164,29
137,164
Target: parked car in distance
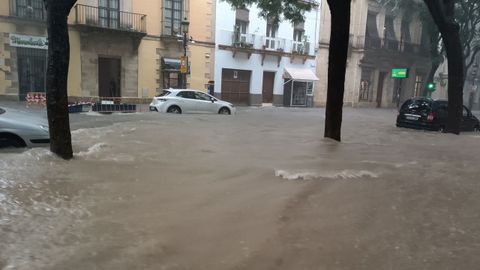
429,114
189,101
22,129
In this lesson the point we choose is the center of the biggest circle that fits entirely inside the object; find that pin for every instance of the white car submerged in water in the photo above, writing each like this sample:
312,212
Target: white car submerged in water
22,129
190,101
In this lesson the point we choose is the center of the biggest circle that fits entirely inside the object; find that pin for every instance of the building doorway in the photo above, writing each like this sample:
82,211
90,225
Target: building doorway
32,70
267,88
381,80
109,70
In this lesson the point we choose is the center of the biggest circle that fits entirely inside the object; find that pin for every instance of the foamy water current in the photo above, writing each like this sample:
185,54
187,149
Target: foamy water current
206,191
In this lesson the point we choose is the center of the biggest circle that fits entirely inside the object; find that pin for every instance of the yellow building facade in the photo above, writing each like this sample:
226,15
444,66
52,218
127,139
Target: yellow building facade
118,48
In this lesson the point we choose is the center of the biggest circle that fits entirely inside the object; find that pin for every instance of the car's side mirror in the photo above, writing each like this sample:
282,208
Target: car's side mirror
213,100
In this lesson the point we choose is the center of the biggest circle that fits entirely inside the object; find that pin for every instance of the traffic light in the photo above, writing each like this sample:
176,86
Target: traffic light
431,87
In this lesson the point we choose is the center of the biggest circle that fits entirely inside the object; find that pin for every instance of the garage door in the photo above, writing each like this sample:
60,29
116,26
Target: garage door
236,86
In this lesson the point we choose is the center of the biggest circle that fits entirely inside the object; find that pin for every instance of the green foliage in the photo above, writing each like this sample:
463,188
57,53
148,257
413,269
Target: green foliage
276,10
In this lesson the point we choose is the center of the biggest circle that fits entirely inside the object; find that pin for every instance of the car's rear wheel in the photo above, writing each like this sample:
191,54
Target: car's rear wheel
174,109
224,110
10,140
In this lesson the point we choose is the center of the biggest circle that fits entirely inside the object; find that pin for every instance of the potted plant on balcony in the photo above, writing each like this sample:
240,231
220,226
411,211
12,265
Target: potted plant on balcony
237,37
305,46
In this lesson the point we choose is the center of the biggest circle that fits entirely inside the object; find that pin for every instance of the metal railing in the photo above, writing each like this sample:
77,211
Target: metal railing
274,44
373,43
301,47
251,41
33,10
392,45
110,19
243,40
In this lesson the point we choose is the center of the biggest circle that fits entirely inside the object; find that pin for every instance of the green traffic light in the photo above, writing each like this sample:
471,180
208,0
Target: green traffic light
431,86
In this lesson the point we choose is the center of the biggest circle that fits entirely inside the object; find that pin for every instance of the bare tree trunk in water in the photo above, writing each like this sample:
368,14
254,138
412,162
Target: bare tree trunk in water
443,15
337,66
57,76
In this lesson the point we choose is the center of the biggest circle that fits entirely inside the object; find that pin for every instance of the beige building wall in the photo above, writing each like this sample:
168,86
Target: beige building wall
141,56
148,67
202,24
74,70
357,29
8,62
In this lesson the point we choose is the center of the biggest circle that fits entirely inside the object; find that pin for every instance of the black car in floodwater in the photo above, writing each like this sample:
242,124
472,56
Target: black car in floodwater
429,114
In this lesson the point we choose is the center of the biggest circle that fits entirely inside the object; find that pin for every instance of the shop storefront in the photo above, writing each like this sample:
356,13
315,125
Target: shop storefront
171,73
31,63
298,87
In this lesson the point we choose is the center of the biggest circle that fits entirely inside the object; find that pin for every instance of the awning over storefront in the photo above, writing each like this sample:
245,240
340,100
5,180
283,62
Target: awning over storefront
300,74
171,64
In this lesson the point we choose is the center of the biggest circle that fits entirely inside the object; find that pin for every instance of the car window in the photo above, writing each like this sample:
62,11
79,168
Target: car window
2,111
201,96
186,94
164,93
441,106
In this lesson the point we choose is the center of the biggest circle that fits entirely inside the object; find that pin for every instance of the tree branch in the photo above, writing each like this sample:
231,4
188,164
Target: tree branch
476,50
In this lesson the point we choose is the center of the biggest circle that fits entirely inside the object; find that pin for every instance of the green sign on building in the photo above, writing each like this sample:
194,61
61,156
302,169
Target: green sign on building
400,73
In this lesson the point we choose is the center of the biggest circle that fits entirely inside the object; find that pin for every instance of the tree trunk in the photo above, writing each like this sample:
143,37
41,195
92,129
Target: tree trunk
454,51
57,75
337,65
443,15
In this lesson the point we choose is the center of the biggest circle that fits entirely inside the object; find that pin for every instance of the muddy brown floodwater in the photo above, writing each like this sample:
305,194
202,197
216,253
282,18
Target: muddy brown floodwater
258,190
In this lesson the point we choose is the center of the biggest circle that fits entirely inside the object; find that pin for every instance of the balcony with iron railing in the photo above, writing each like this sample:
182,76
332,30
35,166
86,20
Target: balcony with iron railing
109,19
236,41
300,47
263,43
240,40
372,43
274,44
33,10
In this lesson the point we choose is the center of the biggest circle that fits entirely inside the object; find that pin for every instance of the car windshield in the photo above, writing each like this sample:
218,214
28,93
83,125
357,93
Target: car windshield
2,111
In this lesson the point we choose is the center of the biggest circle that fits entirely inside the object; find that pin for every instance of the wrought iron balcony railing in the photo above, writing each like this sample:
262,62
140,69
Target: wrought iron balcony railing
273,44
263,43
33,10
101,17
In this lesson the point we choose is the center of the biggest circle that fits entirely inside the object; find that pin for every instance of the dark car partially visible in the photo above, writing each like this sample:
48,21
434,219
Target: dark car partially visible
429,114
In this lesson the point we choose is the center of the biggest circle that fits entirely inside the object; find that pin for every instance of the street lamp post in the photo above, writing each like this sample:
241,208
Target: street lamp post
185,25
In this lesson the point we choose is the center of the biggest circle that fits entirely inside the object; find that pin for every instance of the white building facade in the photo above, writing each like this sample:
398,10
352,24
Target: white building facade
259,63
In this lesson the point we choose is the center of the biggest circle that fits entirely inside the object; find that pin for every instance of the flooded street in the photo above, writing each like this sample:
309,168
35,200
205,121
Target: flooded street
258,190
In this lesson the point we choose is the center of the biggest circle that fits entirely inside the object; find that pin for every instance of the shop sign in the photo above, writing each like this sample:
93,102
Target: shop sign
183,64
28,42
400,73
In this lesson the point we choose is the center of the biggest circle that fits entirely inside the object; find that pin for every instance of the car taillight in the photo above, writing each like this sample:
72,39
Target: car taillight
430,117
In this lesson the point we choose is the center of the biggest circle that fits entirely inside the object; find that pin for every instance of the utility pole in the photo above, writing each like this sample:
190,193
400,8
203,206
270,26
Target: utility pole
184,62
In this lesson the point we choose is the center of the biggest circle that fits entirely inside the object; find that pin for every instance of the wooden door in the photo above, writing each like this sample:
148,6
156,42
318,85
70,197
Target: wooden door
267,88
236,86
